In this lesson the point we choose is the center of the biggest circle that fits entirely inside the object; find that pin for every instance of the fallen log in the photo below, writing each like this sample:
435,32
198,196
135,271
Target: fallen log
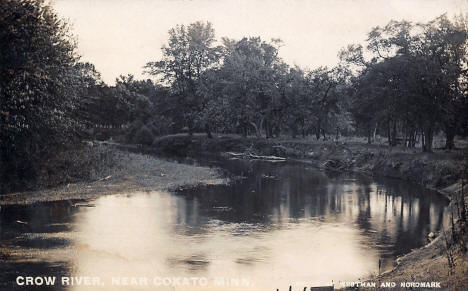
255,157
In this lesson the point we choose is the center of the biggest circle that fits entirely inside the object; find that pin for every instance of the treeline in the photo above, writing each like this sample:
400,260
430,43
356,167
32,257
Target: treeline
238,87
411,81
408,83
243,86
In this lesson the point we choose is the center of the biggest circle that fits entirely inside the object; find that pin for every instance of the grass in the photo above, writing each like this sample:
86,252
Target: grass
100,169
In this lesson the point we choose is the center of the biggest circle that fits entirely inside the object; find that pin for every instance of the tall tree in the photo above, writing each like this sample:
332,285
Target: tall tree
37,86
189,53
251,73
412,79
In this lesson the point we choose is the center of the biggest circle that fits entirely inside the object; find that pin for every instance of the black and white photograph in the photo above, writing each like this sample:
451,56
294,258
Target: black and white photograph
233,145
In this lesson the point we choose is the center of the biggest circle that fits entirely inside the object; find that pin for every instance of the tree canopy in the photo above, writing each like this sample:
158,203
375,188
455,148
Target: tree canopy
408,82
38,84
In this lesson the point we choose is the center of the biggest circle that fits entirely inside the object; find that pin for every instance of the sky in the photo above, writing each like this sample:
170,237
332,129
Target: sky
121,36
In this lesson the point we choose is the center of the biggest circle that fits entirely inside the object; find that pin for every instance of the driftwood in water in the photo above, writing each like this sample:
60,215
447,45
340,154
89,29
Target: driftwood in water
256,157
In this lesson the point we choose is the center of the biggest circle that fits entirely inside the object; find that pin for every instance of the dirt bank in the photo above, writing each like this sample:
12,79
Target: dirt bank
428,264
433,170
129,172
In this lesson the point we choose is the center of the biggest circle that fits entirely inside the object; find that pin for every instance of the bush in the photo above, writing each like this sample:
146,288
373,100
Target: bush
143,136
82,162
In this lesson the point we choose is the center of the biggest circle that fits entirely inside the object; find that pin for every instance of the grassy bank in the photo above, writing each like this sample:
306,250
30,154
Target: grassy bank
104,169
433,170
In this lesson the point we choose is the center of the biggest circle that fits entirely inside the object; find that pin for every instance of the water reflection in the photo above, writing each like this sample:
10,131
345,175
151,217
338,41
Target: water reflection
282,224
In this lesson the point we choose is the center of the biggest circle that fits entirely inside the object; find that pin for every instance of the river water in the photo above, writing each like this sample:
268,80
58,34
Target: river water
281,224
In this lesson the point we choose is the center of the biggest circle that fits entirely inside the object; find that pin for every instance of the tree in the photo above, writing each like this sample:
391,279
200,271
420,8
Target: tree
296,101
322,85
251,73
37,86
90,87
448,43
189,53
412,80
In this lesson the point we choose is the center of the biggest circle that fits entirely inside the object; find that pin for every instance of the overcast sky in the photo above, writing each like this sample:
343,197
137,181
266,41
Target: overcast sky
121,36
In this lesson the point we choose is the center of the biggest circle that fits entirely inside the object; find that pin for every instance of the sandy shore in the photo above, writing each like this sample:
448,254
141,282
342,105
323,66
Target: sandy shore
133,172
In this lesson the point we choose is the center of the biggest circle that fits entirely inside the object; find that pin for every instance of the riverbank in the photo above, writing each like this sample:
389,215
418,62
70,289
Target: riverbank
437,171
133,171
127,172
429,264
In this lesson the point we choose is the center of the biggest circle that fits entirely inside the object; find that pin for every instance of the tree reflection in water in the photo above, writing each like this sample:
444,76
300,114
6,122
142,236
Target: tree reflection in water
283,223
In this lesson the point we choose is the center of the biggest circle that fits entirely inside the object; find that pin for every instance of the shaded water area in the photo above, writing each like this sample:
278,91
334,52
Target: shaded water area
281,224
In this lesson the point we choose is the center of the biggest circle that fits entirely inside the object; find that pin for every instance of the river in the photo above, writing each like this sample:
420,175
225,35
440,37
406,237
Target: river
277,224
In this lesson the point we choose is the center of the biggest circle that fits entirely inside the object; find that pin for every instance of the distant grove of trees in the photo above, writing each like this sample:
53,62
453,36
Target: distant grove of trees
408,83
414,81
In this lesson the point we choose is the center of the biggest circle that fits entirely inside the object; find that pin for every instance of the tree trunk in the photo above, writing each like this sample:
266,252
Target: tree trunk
257,130
317,130
263,124
303,128
293,133
449,138
323,134
243,129
406,140
267,126
428,137
394,135
423,140
277,131
375,131
411,138
293,130
208,131
389,136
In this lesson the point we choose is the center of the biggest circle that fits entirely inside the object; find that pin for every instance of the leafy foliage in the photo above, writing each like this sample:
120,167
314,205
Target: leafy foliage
408,83
187,56
414,82
38,86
